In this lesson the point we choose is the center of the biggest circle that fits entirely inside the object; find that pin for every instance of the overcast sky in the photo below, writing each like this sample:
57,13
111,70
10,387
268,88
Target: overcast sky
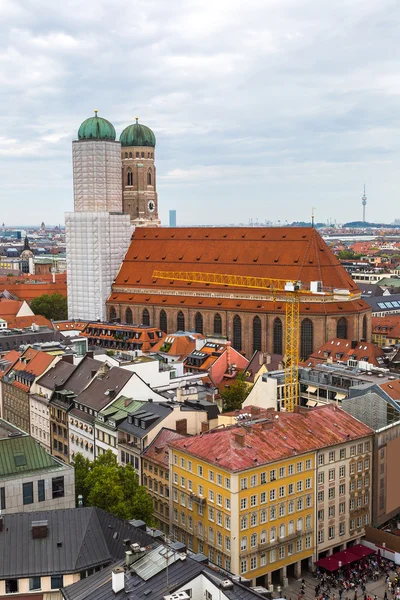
261,108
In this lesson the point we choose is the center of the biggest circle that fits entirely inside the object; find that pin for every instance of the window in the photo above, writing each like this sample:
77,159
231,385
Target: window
253,519
300,504
308,483
282,510
364,329
41,492
291,507
272,495
180,321
331,533
263,516
278,344
282,491
290,488
130,178
253,480
299,486
2,498
290,469
11,586
57,484
332,456
128,316
256,334
243,565
27,492
253,540
243,523
243,483
272,535
263,477
306,339
320,515
263,536
145,317
219,479
342,508
198,323
163,321
331,512
253,500
149,178
34,583
113,314
308,464
321,459
320,496
57,581
343,454
217,324
200,470
320,537
243,504
342,529
237,332
299,467
272,475
263,559
342,472
342,489
331,476
211,495
331,493
341,329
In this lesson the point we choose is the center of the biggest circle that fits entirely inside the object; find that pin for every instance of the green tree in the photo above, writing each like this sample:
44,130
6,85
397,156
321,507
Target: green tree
234,396
51,306
112,487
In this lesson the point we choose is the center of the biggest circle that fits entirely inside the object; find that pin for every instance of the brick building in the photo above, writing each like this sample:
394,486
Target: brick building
252,319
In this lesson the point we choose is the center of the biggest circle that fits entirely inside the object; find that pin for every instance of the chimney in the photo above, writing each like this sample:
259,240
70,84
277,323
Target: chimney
205,426
39,530
255,410
118,579
268,425
181,426
239,439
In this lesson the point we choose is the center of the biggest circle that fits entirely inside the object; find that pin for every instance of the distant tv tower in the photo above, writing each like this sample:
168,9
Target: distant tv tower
364,203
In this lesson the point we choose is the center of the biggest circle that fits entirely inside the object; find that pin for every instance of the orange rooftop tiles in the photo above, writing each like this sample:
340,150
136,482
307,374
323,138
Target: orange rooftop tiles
284,435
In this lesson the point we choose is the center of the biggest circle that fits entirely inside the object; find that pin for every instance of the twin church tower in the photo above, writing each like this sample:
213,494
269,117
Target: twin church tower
114,192
108,173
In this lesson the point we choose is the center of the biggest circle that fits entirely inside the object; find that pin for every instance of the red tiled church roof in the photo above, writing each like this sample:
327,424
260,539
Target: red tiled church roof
292,253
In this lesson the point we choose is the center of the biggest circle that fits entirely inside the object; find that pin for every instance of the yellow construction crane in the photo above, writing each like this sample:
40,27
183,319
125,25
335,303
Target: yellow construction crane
289,293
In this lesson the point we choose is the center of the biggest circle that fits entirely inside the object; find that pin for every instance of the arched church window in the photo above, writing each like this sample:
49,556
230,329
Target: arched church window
130,154
217,324
142,154
126,155
180,321
237,332
256,333
145,317
149,178
130,177
306,338
163,321
128,316
198,323
278,345
341,329
113,314
137,154
364,328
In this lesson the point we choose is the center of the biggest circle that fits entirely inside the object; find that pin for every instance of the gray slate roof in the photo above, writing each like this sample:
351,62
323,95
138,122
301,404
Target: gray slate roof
86,536
56,375
180,573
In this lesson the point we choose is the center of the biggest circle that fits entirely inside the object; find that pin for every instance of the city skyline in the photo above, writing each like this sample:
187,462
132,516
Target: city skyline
260,111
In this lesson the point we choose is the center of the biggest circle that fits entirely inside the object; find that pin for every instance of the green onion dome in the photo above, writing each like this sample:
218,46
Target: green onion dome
137,135
96,128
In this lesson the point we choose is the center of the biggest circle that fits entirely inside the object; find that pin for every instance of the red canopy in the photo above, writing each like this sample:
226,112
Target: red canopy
329,563
346,557
361,551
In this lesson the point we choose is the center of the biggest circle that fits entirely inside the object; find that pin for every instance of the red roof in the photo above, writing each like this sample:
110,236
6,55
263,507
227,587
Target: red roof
33,361
341,350
392,388
26,287
21,322
292,253
285,435
157,451
9,308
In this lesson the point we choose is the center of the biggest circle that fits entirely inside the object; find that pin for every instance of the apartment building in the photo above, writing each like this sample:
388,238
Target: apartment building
246,496
155,469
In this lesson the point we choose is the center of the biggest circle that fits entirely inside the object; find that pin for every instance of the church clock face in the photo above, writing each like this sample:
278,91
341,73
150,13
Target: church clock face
151,206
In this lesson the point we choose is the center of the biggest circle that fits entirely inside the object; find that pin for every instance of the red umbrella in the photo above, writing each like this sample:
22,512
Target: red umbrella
361,551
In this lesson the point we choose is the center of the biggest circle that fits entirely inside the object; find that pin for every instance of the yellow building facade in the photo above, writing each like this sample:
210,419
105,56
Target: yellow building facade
257,523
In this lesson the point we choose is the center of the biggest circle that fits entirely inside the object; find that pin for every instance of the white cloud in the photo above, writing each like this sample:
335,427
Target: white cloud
264,107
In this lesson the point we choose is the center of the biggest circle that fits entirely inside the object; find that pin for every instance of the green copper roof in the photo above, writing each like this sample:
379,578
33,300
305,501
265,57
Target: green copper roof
96,128
23,455
137,135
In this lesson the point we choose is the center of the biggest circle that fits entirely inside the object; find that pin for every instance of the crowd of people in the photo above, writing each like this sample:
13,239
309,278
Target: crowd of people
350,582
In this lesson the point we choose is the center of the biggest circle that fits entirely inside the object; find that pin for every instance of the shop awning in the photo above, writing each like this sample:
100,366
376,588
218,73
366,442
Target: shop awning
361,551
311,403
340,396
329,564
312,389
